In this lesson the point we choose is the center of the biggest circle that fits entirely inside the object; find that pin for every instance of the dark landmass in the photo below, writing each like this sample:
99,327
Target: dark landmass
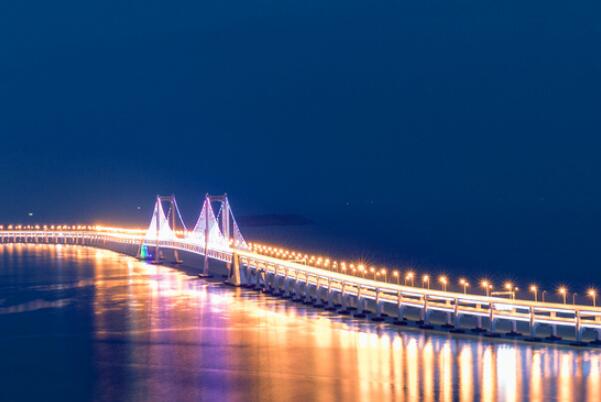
273,220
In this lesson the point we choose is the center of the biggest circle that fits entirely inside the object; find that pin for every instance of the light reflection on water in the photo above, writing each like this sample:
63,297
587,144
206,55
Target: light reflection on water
139,332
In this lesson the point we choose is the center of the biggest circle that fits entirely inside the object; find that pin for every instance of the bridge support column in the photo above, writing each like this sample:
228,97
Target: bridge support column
177,258
478,319
286,284
449,322
533,327
307,290
554,331
331,295
268,279
296,288
533,324
514,328
235,278
277,287
379,306
343,299
318,293
457,319
400,310
245,275
360,305
258,272
425,315
579,330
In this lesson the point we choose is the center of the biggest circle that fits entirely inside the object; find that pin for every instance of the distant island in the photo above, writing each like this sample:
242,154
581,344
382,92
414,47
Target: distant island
274,220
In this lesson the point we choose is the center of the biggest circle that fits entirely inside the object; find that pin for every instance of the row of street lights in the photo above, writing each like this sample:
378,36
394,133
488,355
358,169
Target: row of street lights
508,287
410,277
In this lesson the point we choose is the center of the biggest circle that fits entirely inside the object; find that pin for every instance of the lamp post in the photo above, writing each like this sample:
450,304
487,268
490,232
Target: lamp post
574,298
542,295
487,286
563,292
534,290
397,276
443,282
592,293
409,277
510,288
385,273
426,281
465,285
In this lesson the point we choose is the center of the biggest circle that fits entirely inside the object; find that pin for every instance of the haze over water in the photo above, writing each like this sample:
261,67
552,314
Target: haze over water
93,325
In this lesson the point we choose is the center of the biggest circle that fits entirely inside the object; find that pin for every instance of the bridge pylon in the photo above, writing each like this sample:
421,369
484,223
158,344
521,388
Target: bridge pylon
162,228
219,232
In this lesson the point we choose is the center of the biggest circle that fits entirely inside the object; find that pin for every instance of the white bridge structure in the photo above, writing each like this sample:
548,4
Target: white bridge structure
217,237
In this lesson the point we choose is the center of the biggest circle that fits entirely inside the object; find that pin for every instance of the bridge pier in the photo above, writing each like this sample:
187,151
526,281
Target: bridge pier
307,290
379,306
533,327
296,287
286,293
579,331
449,320
245,279
425,315
400,310
360,304
331,295
236,276
344,304
478,320
257,278
553,335
514,328
318,292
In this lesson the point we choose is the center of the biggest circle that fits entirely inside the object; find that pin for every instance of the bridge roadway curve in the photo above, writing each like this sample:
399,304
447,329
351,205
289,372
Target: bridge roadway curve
349,293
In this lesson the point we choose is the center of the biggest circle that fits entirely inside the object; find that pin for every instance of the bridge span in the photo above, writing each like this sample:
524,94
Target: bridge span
217,237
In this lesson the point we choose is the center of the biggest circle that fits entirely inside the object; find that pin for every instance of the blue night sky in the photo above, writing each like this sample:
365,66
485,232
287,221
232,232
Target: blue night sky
457,134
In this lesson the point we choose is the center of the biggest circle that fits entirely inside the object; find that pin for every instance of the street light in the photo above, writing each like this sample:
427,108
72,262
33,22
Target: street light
574,298
592,293
373,271
542,295
465,285
443,281
487,286
426,280
510,288
534,290
385,273
397,276
409,277
563,292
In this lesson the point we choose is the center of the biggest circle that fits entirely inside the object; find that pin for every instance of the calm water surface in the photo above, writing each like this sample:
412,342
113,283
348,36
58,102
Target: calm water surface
78,324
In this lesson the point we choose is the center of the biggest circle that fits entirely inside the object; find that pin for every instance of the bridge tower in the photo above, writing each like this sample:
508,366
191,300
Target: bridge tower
223,218
163,227
173,217
229,231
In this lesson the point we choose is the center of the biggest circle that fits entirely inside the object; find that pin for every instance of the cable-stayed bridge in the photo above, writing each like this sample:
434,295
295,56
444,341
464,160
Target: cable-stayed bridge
217,237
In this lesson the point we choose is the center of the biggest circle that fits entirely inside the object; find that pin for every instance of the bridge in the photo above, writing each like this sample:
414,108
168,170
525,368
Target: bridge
323,283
